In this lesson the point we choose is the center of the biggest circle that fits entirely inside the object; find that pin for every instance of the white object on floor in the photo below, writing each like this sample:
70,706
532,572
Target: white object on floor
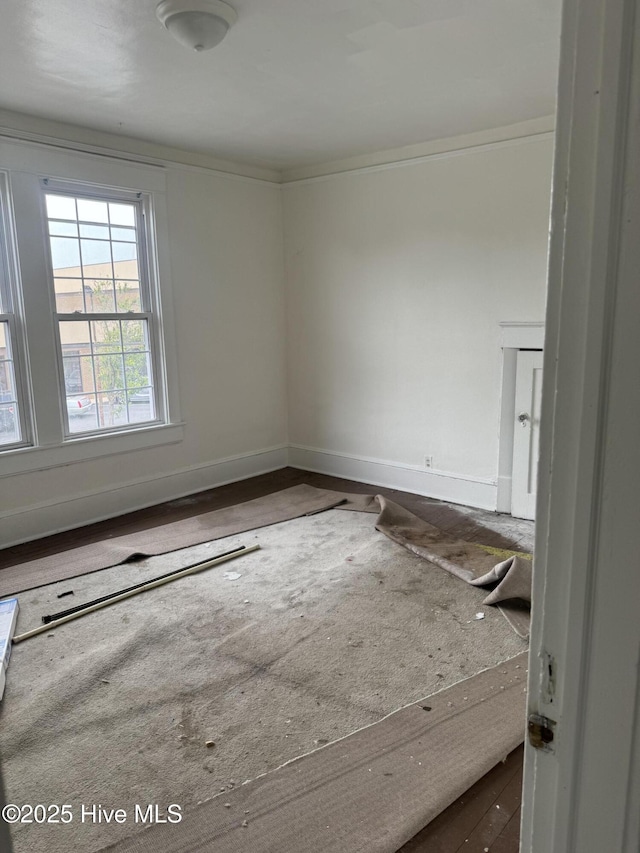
231,576
8,618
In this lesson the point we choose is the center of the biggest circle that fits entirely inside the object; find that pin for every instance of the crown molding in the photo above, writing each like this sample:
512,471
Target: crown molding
40,131
539,128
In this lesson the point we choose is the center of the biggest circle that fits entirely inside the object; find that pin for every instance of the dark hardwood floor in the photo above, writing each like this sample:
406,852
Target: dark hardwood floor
487,817
443,515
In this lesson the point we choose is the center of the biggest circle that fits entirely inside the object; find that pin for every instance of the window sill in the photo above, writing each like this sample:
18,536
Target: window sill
26,459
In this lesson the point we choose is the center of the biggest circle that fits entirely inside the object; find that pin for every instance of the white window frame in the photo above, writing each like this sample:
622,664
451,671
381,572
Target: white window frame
148,295
27,165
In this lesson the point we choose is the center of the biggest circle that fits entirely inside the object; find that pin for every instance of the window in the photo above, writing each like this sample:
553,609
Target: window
87,350
11,415
103,310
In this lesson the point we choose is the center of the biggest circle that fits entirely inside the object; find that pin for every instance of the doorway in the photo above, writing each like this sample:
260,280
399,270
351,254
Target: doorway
526,438
522,345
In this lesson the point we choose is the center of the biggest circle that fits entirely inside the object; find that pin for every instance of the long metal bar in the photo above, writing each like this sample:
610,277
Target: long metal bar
120,597
47,619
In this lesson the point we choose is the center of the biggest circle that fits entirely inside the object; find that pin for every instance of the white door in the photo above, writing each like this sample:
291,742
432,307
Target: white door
526,437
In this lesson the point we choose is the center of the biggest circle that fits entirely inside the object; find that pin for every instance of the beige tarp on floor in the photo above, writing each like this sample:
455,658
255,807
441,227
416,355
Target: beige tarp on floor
510,578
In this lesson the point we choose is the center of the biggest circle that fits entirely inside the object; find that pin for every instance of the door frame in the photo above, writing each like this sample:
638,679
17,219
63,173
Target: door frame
514,336
582,793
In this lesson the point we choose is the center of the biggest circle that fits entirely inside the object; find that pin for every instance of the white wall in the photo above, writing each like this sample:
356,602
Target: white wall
226,257
396,281
225,251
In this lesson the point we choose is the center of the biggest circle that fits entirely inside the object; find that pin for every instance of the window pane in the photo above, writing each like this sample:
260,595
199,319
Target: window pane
92,211
95,252
97,232
112,409
134,335
99,296
128,296
9,425
82,411
61,207
106,336
63,229
78,374
75,334
7,384
68,293
124,251
126,270
141,405
122,214
137,371
72,374
65,253
109,372
126,234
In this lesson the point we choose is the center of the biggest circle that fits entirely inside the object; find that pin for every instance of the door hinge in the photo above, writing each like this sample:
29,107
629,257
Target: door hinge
540,731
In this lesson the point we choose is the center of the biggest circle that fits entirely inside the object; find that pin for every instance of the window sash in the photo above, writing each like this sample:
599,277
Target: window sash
69,190
118,352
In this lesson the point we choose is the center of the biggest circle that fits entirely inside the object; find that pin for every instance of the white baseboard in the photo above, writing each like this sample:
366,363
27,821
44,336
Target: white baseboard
54,516
455,488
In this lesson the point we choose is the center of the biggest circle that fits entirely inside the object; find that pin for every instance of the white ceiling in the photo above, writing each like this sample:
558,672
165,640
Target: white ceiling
295,82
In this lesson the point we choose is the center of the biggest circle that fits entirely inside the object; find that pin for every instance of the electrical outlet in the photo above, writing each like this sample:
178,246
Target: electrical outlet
428,461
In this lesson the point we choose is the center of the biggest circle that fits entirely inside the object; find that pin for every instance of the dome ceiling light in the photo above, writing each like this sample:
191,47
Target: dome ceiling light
197,24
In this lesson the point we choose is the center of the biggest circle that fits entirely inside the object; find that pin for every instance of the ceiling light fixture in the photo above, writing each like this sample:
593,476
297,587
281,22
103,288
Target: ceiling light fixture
198,24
